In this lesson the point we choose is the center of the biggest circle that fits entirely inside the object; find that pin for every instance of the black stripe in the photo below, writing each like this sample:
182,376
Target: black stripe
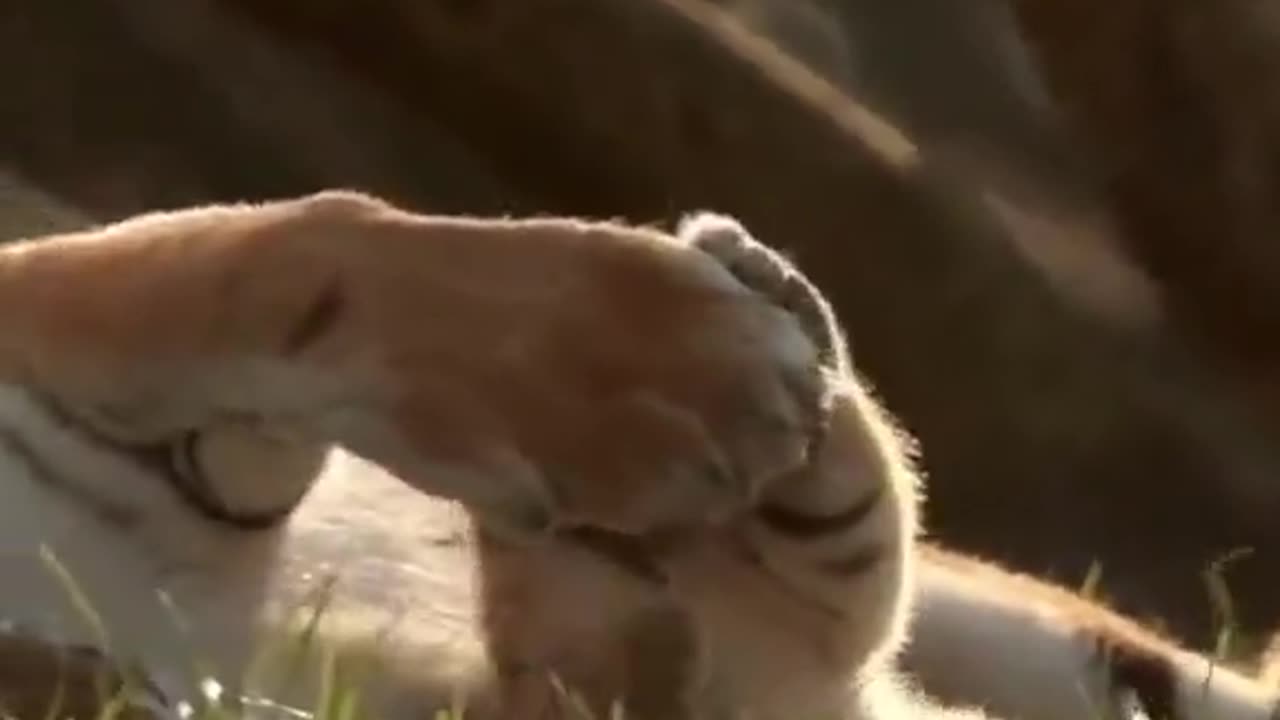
626,553
193,486
855,563
104,509
1146,672
317,320
805,525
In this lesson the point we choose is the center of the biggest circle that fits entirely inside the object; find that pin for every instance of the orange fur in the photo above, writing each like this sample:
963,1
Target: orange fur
435,345
532,356
550,374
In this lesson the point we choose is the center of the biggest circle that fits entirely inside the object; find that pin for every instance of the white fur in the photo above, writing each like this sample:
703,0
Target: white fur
396,553
1026,651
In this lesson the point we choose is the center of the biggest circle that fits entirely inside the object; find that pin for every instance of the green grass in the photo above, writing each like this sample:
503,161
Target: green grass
298,647
282,658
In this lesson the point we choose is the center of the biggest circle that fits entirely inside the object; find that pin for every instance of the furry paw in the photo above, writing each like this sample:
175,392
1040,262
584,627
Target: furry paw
765,271
540,371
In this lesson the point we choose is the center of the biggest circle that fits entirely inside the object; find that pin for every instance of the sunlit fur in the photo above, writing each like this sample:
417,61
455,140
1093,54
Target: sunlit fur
1030,650
767,504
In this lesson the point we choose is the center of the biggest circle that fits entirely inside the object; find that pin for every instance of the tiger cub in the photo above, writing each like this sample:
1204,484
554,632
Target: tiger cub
682,501
586,390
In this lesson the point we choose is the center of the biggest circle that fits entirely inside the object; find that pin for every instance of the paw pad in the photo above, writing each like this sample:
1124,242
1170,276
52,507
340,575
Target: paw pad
767,272
243,475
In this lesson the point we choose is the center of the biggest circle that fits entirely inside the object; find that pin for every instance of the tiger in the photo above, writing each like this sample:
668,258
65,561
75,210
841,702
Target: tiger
551,465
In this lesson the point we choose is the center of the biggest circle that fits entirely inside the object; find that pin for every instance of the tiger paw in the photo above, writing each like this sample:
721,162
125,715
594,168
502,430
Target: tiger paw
540,371
657,460
767,272
655,385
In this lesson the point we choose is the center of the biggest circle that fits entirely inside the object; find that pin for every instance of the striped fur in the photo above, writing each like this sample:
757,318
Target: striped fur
206,358
819,571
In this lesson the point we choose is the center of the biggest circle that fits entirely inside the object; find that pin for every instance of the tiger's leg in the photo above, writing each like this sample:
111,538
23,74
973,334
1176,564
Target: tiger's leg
507,364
